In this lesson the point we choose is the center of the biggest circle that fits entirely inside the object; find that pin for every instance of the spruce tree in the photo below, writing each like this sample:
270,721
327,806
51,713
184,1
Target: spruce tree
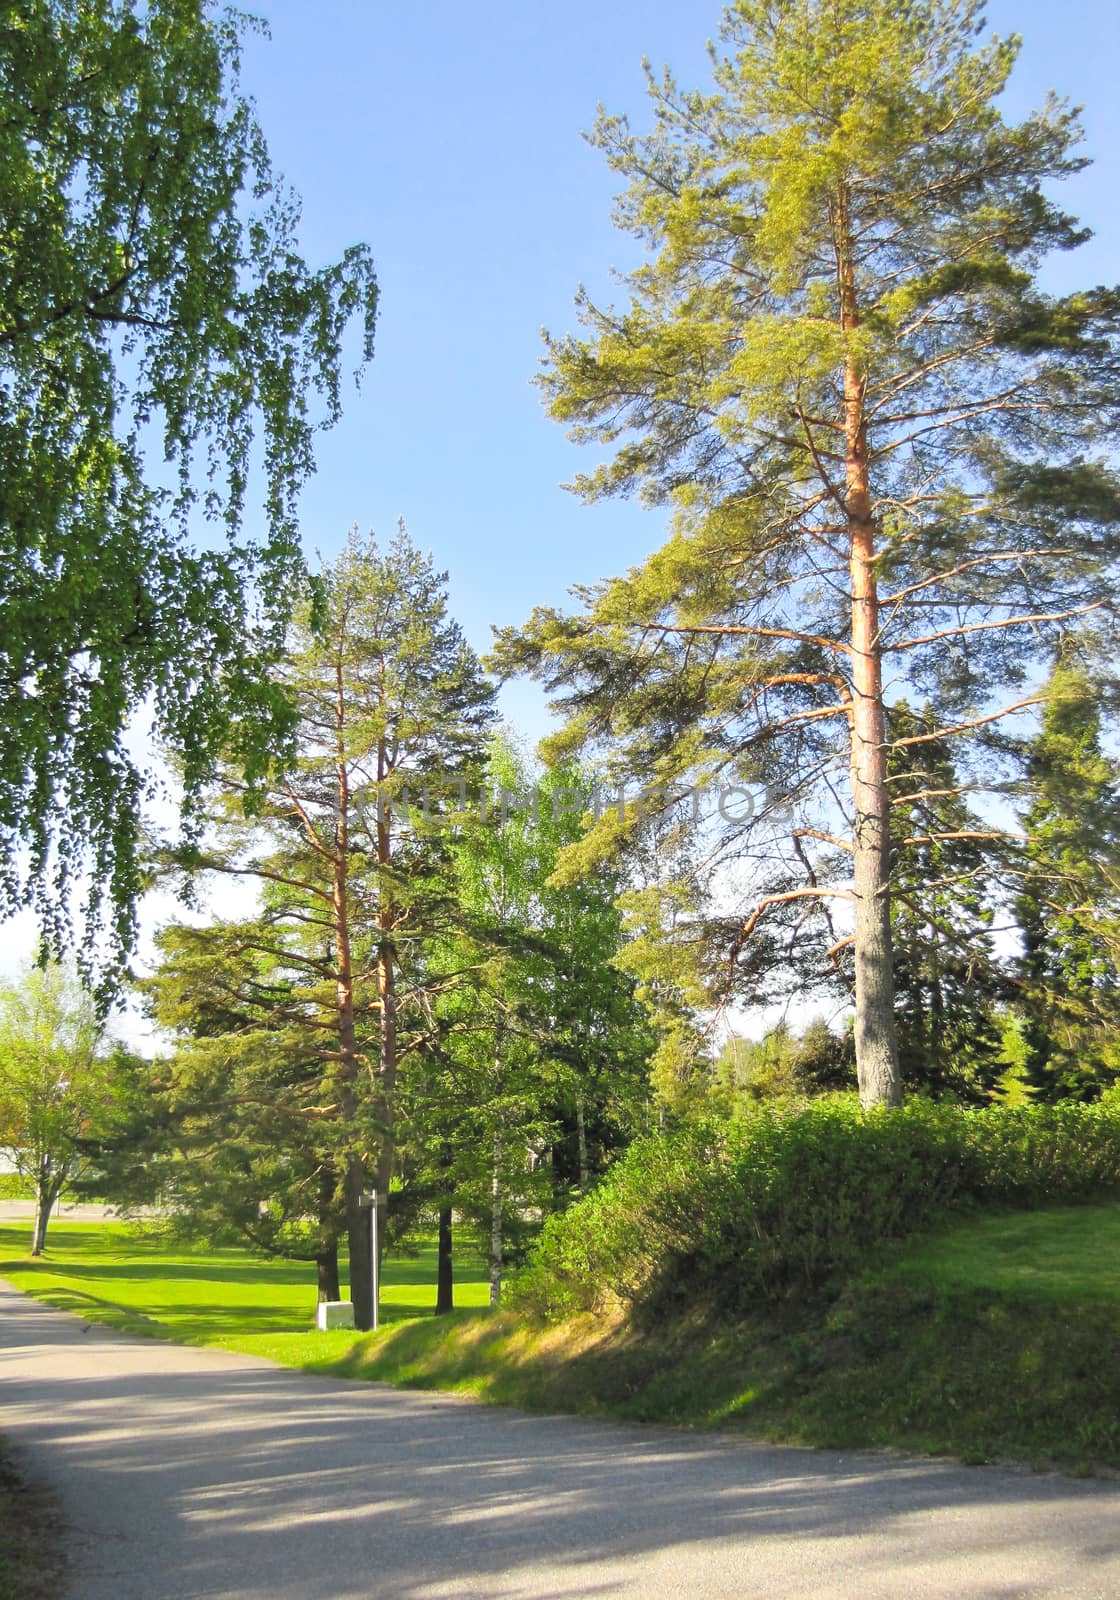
1069,907
946,893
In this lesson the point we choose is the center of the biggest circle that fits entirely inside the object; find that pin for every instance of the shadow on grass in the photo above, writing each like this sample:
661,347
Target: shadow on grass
262,1275
80,1251
693,1375
197,1323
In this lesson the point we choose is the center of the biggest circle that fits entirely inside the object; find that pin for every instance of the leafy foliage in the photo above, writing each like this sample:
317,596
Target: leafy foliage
1069,907
539,1071
158,325
780,1067
59,1082
773,1205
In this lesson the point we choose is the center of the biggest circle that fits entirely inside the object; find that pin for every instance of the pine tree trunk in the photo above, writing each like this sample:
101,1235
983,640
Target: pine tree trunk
355,1182
496,1223
358,1225
386,1072
445,1275
581,1136
387,1015
876,1045
326,1272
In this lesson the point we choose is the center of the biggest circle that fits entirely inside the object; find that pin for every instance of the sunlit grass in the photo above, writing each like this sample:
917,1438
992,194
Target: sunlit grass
129,1278
1070,1253
996,1337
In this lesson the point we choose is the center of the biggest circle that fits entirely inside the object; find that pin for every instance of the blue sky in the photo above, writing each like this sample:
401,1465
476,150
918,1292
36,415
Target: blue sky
448,137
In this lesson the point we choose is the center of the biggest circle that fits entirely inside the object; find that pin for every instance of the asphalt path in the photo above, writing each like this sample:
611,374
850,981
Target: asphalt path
24,1211
187,1473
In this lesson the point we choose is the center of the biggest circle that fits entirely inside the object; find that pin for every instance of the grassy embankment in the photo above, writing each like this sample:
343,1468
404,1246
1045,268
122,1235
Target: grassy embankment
996,1337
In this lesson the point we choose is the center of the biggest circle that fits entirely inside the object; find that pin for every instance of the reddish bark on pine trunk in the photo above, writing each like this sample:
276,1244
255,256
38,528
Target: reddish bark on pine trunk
875,1040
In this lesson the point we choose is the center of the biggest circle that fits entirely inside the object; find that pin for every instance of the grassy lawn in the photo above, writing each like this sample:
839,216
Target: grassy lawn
128,1278
996,1338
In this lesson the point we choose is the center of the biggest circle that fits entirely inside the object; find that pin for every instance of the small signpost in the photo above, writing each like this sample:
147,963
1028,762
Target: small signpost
369,1202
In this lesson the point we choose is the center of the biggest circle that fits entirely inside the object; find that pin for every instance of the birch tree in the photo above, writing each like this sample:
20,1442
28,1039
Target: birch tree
163,346
542,1064
56,1083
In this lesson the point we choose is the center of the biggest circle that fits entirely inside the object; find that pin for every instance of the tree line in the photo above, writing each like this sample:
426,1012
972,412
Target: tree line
886,598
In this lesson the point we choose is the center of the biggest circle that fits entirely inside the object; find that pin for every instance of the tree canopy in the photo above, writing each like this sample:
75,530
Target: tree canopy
162,345
1069,907
296,1022
882,444
59,1077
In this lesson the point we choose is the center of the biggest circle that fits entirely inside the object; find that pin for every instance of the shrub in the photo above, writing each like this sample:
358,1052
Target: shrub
735,1213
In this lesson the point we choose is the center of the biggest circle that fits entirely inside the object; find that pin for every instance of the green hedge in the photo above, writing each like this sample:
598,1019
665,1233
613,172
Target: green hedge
737,1213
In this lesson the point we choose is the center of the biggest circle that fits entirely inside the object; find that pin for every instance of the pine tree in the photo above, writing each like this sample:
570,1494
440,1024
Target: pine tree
878,439
389,703
236,1136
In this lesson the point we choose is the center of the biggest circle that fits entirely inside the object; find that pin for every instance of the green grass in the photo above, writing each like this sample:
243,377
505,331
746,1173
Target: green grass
995,1338
1067,1254
128,1277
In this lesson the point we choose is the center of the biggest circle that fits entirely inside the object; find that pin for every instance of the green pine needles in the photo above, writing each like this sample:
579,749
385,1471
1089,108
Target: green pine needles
882,445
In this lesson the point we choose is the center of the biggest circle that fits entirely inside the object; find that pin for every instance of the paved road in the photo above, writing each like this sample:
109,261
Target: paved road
190,1473
24,1211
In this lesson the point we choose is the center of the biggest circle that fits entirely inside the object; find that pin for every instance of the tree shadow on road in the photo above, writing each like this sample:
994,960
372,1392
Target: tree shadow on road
257,1481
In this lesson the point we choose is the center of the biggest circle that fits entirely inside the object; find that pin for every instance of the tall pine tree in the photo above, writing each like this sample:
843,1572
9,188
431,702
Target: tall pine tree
389,700
877,436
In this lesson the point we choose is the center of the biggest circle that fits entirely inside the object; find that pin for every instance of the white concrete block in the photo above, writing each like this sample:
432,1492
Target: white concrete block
336,1314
